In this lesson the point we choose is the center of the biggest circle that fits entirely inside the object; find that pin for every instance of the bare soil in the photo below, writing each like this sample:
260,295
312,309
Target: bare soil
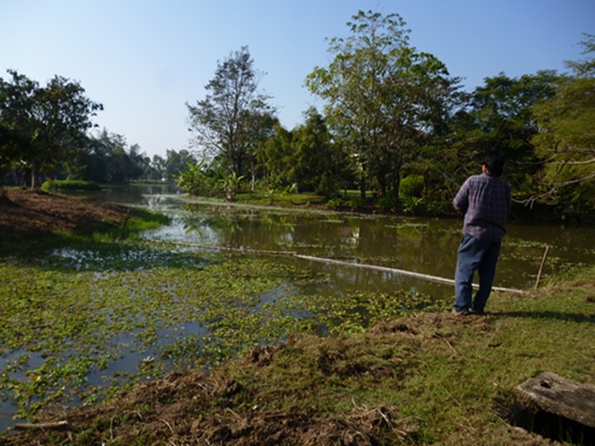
32,213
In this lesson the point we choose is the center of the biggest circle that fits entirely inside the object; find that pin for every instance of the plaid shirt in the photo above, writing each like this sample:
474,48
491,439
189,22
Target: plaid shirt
485,201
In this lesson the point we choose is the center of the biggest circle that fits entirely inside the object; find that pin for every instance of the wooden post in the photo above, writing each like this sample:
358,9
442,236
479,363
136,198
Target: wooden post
547,248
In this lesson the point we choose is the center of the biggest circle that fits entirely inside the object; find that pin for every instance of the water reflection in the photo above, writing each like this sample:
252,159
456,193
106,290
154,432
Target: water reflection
424,245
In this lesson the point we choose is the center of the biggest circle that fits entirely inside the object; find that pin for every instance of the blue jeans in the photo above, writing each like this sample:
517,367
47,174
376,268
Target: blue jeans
475,255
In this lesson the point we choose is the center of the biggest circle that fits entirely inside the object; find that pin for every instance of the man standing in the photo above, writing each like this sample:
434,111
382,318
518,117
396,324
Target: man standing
485,202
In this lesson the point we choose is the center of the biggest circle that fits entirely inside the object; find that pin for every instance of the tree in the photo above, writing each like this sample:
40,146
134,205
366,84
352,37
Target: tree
46,121
158,166
566,137
503,118
177,162
381,96
318,161
277,156
263,127
225,121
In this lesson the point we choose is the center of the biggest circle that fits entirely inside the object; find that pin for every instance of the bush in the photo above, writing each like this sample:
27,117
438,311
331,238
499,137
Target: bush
196,180
334,203
412,186
356,202
411,204
54,185
388,203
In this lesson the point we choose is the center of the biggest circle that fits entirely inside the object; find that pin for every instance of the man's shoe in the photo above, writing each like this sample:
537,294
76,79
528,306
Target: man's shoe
460,313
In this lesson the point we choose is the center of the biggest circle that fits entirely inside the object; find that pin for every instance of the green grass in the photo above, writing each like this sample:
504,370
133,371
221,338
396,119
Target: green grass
447,373
65,185
279,198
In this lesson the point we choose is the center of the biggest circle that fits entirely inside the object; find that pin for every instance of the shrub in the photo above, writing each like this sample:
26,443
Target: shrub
334,203
54,185
356,202
388,203
435,207
196,180
410,204
412,186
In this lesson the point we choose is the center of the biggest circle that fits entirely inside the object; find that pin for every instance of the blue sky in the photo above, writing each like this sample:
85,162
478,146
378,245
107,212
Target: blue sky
144,59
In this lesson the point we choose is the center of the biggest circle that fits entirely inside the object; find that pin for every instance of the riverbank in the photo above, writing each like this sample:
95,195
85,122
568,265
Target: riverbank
428,378
27,214
407,377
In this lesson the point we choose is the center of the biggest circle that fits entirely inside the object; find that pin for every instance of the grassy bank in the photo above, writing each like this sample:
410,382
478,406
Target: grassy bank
397,377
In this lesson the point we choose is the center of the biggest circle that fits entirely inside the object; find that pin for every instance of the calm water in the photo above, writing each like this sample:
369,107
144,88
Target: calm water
423,245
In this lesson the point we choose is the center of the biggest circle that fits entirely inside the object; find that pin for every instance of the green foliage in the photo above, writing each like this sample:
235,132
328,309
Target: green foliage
176,163
412,186
334,203
411,204
387,203
356,202
196,180
57,185
379,93
45,123
230,185
565,141
277,156
318,160
437,207
500,116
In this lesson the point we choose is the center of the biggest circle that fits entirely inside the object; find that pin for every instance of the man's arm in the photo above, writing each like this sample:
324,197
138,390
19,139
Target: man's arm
461,200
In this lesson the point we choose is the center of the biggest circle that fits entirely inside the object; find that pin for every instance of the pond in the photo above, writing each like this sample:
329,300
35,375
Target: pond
421,245
272,235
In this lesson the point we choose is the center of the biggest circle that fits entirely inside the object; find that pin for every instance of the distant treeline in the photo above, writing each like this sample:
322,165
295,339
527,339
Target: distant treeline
395,125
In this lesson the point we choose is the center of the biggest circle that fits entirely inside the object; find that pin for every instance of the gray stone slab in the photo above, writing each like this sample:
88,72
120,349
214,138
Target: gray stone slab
560,396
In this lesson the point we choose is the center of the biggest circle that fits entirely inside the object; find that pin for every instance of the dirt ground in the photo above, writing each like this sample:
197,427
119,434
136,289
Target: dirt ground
31,213
172,419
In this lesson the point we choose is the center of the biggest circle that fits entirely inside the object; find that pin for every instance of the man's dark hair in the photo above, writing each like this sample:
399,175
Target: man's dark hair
494,163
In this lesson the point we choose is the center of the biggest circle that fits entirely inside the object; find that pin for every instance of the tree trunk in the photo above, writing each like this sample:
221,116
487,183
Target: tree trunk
33,175
253,178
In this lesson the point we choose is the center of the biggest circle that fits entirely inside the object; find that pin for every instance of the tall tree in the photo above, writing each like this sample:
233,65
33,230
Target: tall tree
566,137
224,122
158,165
503,118
177,162
381,94
318,160
276,155
47,120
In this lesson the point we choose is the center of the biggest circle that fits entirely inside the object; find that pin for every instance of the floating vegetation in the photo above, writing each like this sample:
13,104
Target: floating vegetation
78,311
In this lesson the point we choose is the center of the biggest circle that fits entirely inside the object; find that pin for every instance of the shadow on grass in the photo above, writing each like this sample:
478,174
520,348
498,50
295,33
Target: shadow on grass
569,317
